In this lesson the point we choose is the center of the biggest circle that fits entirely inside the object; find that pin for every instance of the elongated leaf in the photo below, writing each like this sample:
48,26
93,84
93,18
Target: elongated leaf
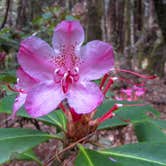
56,118
28,155
126,114
160,123
18,140
148,131
141,154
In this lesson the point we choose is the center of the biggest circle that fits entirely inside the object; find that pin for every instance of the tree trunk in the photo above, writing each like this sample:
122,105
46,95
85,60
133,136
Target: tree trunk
160,7
159,59
27,11
95,9
6,14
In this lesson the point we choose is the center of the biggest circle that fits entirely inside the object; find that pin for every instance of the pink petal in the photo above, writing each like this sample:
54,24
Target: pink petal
19,101
43,98
68,33
127,91
98,59
84,98
35,57
24,80
118,98
139,91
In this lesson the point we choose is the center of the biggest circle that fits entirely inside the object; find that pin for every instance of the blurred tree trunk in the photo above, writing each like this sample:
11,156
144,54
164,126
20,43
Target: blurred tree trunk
120,24
95,9
105,21
160,7
112,22
115,21
22,14
6,14
27,11
11,20
152,46
138,15
127,31
159,53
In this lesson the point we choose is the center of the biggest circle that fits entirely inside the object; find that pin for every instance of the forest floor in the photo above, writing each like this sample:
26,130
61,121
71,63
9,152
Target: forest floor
156,96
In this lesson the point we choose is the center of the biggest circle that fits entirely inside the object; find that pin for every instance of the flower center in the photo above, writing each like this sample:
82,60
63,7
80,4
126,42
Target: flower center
66,78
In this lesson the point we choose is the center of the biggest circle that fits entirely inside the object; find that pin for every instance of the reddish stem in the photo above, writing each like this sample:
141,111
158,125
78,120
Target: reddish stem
75,116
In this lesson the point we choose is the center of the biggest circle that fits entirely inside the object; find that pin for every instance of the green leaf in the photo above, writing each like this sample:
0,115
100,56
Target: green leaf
125,114
141,154
28,155
18,140
56,118
70,18
147,131
160,123
92,158
7,78
47,15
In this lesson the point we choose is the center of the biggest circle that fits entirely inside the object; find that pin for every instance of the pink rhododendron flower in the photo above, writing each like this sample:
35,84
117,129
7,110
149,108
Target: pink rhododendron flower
128,91
64,71
131,94
139,91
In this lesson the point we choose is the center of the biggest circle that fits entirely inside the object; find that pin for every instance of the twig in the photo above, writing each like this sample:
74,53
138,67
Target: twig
47,163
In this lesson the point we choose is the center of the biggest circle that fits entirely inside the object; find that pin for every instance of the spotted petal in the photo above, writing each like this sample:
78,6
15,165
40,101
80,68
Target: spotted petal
68,33
97,59
35,57
84,98
19,101
43,98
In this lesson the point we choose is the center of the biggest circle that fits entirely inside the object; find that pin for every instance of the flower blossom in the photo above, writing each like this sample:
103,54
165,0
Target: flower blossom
131,94
65,71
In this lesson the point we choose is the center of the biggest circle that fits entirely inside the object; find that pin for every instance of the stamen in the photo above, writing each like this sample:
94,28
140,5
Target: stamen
66,82
58,72
136,74
110,113
110,82
15,89
103,80
76,69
